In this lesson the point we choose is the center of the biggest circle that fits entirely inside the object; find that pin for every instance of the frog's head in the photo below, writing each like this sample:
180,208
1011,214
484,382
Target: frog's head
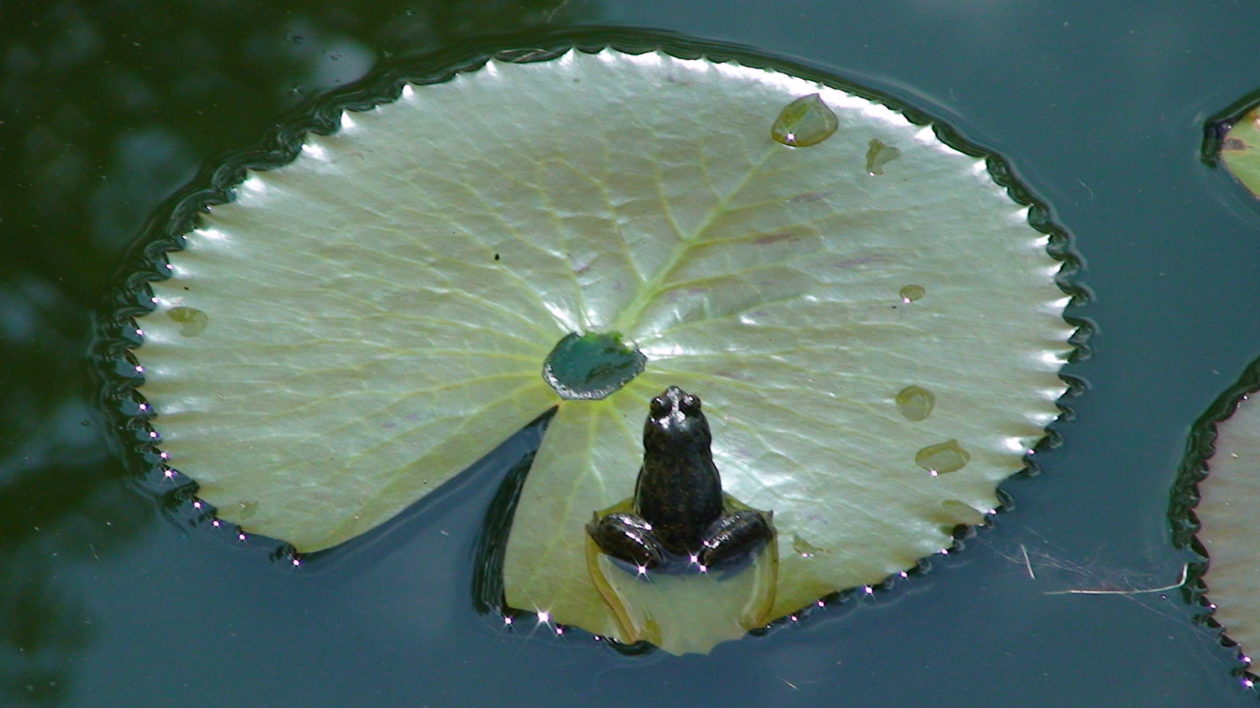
674,418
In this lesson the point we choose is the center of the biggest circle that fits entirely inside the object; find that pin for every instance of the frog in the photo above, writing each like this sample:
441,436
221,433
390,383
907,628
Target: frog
681,520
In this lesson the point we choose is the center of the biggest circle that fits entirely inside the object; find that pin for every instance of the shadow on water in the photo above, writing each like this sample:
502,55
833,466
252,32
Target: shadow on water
493,483
99,133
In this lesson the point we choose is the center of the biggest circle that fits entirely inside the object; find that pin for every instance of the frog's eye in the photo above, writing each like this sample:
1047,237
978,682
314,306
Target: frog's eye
659,406
689,404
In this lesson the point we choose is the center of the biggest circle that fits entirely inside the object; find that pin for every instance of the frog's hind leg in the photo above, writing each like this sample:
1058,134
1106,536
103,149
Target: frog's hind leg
628,538
735,538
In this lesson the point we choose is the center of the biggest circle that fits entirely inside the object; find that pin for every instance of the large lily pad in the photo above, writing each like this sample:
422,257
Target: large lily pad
1227,499
874,327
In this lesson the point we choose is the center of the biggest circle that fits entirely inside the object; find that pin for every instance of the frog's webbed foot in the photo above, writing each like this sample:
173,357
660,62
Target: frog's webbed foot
735,537
628,538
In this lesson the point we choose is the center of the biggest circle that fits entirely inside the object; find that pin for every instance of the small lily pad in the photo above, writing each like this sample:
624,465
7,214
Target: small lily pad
1240,150
382,309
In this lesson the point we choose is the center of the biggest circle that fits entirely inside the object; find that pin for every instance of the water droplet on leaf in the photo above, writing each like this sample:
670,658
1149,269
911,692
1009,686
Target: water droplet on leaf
942,458
192,321
878,154
915,402
911,293
804,122
247,508
591,366
804,548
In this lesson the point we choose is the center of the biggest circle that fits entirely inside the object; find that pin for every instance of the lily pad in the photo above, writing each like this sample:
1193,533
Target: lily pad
1225,504
1240,150
876,349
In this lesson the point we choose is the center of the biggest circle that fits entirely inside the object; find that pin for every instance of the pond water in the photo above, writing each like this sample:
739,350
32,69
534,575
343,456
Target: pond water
105,600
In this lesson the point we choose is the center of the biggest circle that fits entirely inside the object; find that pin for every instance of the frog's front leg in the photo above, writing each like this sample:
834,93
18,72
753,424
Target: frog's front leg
735,537
628,538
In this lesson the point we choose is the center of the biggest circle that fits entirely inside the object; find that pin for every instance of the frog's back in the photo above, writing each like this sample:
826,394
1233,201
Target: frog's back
680,496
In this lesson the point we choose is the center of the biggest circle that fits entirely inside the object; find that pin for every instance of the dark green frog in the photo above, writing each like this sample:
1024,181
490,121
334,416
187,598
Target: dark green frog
680,518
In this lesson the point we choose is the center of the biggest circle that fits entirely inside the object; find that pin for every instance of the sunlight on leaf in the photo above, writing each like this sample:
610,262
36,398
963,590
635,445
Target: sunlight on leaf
876,338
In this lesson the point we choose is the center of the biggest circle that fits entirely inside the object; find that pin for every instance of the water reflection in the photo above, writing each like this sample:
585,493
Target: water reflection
122,104
109,110
62,505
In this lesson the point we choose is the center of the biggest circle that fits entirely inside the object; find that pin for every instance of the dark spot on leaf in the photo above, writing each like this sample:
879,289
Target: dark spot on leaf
679,294
808,197
856,262
772,238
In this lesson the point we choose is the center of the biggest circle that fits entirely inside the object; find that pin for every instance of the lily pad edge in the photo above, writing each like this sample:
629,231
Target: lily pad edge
1184,498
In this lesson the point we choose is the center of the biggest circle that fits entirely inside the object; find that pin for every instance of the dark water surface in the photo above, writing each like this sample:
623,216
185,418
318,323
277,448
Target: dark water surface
109,108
